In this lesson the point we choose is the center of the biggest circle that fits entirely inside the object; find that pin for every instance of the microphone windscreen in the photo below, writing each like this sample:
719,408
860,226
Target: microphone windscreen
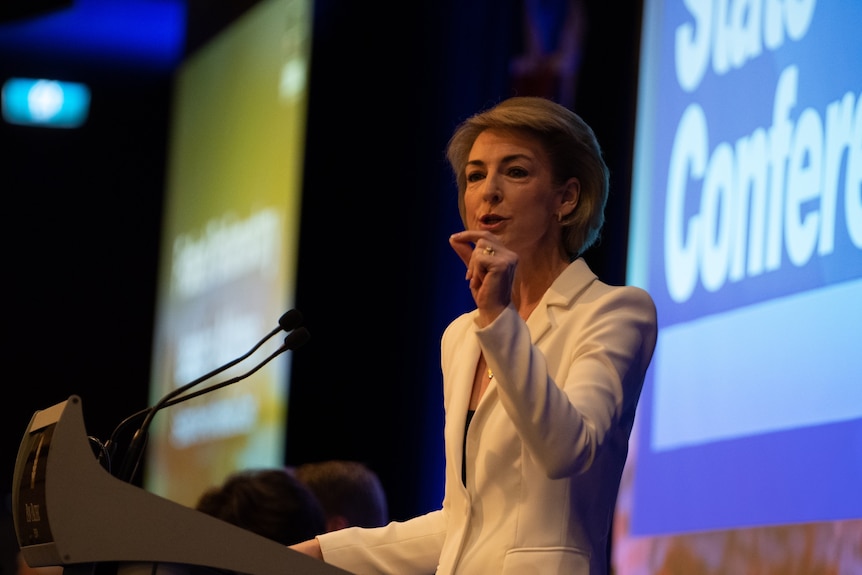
297,338
290,320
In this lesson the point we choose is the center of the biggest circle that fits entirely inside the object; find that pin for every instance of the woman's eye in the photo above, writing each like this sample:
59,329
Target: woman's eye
475,176
517,172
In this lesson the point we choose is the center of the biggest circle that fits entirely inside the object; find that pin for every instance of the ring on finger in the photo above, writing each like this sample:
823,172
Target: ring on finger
489,251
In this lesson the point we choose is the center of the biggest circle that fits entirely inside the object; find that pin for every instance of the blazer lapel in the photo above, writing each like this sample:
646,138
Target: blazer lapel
463,369
562,293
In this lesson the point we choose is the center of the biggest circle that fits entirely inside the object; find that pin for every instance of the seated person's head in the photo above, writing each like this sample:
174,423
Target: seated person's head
350,492
270,502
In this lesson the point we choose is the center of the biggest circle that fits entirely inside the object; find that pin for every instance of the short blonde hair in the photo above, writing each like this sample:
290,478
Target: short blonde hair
571,146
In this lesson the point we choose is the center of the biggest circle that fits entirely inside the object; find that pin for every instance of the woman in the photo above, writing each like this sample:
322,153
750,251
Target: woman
540,381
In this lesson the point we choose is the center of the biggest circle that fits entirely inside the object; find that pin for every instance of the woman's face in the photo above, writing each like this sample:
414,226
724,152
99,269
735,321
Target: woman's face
510,190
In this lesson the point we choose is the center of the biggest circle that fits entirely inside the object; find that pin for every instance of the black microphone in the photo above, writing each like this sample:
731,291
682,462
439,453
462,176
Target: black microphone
287,322
294,340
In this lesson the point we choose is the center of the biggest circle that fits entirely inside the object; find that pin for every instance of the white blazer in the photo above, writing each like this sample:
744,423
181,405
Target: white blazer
545,449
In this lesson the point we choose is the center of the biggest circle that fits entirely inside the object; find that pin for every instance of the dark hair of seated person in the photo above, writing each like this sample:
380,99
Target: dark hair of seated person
270,502
350,492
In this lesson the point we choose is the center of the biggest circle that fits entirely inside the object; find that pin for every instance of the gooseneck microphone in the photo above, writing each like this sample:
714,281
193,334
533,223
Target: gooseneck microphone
290,321
294,340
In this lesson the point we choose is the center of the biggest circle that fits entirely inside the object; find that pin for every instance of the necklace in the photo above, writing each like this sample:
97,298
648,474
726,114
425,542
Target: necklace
490,374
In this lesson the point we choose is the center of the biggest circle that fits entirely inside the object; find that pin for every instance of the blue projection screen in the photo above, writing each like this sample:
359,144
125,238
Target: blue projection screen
747,230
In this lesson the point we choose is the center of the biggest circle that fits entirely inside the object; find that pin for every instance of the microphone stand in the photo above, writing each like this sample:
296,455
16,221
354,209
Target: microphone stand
288,321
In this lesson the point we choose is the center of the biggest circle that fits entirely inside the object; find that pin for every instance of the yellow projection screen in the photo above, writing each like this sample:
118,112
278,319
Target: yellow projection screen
229,247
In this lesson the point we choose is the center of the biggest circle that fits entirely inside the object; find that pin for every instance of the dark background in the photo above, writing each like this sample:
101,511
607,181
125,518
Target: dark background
377,281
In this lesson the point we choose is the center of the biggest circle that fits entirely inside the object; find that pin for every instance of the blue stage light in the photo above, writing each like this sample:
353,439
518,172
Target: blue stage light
46,103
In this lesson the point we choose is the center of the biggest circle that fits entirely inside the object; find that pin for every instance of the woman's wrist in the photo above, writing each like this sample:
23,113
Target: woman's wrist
310,548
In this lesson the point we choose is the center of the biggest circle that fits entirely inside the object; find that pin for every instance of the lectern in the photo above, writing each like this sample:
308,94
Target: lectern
70,511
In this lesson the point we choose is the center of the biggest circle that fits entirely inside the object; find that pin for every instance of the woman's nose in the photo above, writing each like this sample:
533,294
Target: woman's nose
492,193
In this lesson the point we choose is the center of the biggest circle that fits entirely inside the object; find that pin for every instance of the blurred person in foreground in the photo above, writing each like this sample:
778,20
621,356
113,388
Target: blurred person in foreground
540,381
268,501
349,491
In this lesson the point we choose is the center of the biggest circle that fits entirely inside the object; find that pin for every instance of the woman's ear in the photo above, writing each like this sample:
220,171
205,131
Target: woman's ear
569,198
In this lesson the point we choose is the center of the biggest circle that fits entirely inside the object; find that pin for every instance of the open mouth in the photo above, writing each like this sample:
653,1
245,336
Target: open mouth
489,219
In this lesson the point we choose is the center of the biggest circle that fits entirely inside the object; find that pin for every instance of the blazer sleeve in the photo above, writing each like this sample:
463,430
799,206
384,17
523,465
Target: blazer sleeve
600,350
409,547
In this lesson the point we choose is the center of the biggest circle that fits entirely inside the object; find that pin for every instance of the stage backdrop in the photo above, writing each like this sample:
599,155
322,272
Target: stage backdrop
229,245
747,230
